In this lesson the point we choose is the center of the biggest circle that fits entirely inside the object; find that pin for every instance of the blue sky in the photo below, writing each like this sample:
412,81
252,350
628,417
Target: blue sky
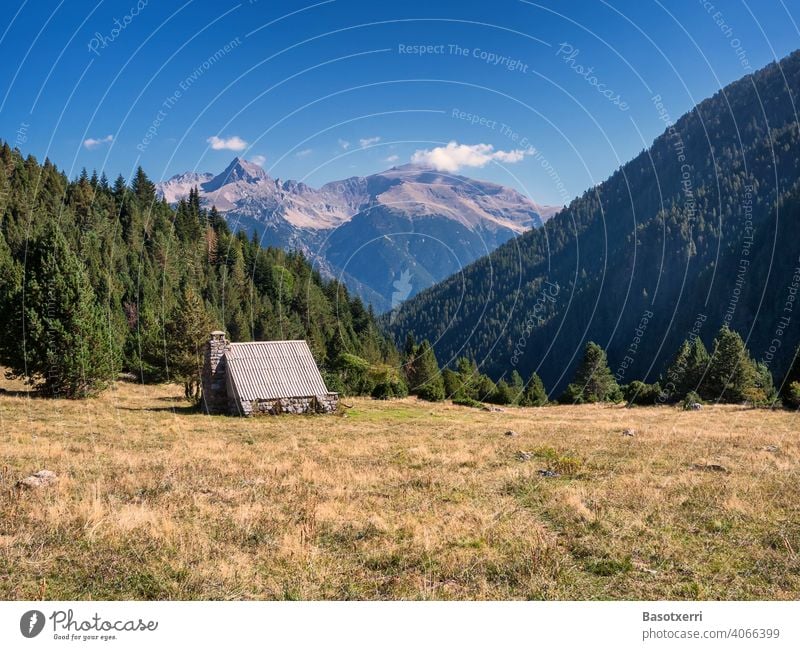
548,97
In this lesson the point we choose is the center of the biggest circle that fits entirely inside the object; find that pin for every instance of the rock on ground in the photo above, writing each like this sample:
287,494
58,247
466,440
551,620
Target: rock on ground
42,478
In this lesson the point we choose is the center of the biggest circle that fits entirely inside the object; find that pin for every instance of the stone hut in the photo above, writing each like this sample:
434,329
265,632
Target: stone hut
264,377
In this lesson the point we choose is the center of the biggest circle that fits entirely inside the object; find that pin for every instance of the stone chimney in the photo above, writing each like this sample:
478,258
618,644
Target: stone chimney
215,391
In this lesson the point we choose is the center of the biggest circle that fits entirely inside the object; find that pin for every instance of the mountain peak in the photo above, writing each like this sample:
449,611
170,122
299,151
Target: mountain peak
238,171
241,169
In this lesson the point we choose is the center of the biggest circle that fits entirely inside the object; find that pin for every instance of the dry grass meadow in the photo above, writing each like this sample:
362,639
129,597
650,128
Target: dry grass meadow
398,500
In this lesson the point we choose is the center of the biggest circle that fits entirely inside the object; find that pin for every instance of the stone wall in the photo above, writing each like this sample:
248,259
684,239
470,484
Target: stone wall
215,393
293,405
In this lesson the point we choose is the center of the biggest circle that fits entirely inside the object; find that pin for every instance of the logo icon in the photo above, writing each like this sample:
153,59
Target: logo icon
31,623
402,291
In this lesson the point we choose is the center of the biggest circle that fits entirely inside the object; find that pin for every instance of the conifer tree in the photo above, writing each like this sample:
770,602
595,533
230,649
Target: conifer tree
696,367
593,380
731,373
503,393
687,370
186,332
66,348
535,393
517,386
424,379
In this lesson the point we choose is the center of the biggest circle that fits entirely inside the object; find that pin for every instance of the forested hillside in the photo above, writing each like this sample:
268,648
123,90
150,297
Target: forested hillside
98,277
697,232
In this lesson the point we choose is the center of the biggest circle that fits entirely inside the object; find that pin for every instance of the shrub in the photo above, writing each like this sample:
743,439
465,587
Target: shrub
390,390
502,394
467,401
637,392
690,399
792,394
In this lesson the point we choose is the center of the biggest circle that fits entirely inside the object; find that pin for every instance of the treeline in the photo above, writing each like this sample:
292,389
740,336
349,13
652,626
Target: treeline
99,277
728,374
700,227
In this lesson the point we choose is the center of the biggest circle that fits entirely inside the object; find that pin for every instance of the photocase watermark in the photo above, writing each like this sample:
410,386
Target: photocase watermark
402,290
102,41
727,31
569,54
536,316
21,137
169,103
67,627
22,134
31,623
488,57
633,348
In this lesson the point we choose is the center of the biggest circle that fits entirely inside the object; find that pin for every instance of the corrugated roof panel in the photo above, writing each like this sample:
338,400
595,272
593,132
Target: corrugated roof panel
273,369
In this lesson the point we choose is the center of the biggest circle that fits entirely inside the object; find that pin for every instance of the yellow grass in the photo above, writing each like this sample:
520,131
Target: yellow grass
397,500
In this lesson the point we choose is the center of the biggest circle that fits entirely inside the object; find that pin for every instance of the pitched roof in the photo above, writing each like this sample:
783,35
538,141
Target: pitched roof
272,369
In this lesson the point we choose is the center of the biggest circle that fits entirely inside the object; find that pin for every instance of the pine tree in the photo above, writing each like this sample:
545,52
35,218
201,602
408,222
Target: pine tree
517,386
535,393
764,393
410,347
696,367
424,378
186,333
452,383
593,380
66,348
675,379
731,373
687,370
503,393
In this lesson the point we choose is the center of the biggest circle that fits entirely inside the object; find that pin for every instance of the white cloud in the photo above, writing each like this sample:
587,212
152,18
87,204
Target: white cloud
303,153
259,160
93,143
344,144
234,143
454,156
393,159
365,142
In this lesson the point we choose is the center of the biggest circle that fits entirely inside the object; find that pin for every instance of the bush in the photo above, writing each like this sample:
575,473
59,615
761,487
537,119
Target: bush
502,394
792,394
637,392
690,399
333,382
467,401
390,388
572,395
354,375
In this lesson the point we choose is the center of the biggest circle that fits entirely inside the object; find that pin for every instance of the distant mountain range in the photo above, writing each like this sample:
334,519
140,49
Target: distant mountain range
387,236
698,231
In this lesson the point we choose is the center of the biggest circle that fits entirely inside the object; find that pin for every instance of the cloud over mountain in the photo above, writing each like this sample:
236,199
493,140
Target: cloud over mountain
234,143
455,156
